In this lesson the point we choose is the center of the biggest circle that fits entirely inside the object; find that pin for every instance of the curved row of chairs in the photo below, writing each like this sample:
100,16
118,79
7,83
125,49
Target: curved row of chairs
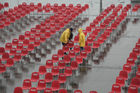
128,79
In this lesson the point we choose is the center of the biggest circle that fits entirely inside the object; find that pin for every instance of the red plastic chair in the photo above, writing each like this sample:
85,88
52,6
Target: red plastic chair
27,34
123,74
35,77
42,70
120,81
74,65
8,46
66,59
17,57
49,64
62,78
62,91
83,54
135,82
78,91
70,44
25,42
60,53
48,90
9,63
15,42
68,71
33,90
55,58
36,43
19,46
48,77
41,85
2,68
55,70
130,61
88,49
89,40
127,67
133,55
133,89
96,45
116,88
13,51
79,59
136,50
61,64
76,49
27,84
71,54
76,39
18,90
65,48
5,56
55,85
24,52
2,50
30,47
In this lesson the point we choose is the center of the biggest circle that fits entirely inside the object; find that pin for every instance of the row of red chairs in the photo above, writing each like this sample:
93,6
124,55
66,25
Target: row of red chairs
125,75
11,15
47,90
5,5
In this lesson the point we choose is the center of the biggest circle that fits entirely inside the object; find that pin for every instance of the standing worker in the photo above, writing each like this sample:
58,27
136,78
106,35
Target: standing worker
65,36
81,39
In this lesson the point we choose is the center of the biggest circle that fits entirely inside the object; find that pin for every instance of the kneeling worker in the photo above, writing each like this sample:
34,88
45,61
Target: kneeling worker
65,36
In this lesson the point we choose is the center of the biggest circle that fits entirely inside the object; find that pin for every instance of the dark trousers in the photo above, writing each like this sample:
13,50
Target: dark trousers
63,43
81,48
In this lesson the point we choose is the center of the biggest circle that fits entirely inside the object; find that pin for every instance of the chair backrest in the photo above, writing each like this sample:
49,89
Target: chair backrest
133,89
27,83
42,83
35,76
42,69
116,88
18,90
49,63
135,81
123,74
